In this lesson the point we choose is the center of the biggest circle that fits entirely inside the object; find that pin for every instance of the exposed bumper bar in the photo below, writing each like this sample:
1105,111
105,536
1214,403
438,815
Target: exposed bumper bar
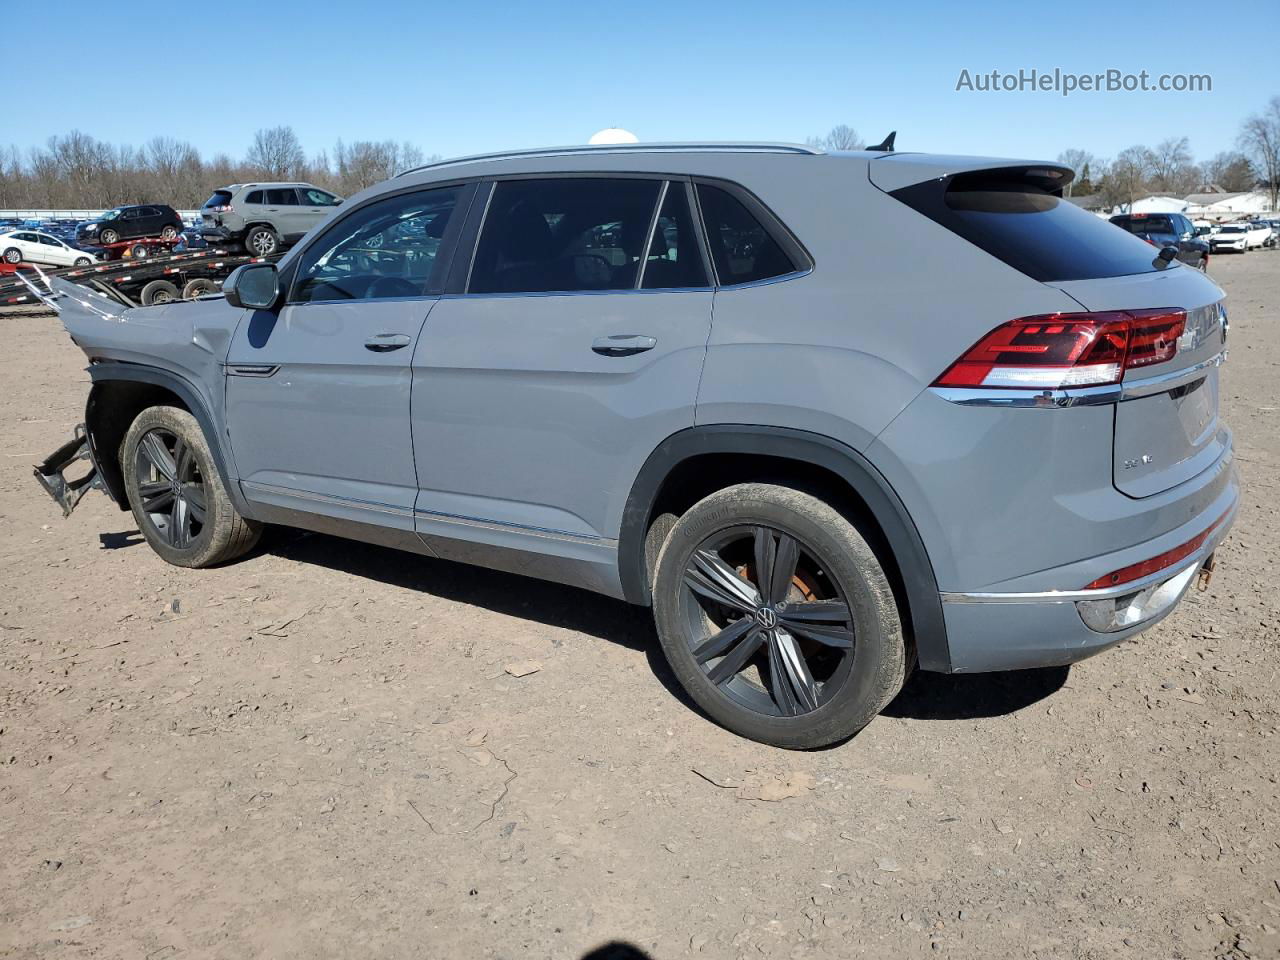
51,472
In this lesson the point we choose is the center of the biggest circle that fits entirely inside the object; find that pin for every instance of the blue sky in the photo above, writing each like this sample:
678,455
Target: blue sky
466,77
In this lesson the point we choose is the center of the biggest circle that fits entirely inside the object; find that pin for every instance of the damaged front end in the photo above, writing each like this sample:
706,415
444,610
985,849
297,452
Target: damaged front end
52,472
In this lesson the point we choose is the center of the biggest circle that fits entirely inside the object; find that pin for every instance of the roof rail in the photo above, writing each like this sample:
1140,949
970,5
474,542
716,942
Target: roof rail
724,146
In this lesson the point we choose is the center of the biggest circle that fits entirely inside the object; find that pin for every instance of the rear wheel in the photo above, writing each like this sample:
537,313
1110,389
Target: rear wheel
157,292
13,255
176,493
777,617
198,288
261,241
109,236
169,232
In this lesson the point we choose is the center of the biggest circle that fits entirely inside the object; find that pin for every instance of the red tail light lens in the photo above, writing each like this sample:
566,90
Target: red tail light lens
1067,350
1136,571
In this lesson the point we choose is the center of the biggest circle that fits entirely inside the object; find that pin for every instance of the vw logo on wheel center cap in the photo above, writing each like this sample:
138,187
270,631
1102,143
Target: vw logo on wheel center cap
767,617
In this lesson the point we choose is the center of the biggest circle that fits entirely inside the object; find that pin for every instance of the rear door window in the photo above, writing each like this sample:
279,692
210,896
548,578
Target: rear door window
743,250
282,197
1046,237
674,259
564,235
253,196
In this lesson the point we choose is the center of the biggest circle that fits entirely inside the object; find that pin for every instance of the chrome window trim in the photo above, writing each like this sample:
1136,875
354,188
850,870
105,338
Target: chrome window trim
1078,396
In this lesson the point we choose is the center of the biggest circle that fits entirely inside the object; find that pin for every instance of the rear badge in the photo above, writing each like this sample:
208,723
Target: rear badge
1145,460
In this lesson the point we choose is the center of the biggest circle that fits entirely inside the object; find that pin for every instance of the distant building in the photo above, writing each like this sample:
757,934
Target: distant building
1090,201
1227,206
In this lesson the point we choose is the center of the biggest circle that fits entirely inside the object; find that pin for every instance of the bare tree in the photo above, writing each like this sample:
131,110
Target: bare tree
276,154
1079,161
1230,170
1172,169
841,137
1127,177
1260,138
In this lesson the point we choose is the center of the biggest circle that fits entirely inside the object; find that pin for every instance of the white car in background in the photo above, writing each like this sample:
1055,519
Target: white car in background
1231,236
1258,233
33,246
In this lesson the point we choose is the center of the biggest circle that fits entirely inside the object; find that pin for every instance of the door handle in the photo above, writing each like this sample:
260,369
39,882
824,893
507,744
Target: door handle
623,345
386,342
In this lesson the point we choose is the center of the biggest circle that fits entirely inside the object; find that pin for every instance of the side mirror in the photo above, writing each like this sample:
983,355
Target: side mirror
255,286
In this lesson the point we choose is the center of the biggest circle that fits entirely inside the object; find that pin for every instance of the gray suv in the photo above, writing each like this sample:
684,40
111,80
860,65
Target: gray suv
832,416
264,217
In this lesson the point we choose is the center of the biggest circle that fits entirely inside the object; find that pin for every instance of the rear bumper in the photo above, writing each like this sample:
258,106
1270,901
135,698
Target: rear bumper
219,234
989,631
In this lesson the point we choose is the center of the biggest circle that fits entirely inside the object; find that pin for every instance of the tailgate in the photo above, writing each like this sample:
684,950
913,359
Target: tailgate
1166,427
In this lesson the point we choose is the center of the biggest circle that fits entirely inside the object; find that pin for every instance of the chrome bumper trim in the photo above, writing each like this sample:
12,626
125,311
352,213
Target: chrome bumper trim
1078,396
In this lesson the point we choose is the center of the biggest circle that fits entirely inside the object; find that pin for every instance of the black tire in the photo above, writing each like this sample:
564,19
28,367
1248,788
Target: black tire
13,255
139,251
170,232
109,236
157,292
844,596
261,242
210,534
198,288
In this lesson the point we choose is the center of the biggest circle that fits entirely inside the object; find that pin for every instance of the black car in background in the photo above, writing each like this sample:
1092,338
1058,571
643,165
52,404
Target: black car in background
131,222
1167,230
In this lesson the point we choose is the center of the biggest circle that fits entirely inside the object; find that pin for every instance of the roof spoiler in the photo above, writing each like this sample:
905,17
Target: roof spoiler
886,145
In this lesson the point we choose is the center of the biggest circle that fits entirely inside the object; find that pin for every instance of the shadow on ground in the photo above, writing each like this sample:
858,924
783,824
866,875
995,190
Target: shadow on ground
926,696
968,696
115,541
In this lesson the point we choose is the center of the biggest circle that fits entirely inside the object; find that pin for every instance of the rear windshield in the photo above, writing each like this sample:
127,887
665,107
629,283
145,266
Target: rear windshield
1044,236
1145,224
220,198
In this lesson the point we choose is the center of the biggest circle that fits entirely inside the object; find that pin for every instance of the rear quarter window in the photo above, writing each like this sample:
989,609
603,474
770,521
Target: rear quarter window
1042,235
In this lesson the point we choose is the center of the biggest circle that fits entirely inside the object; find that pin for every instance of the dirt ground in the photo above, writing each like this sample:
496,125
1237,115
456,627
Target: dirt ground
318,752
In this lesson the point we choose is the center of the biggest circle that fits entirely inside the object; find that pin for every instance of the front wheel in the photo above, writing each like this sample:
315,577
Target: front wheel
109,236
176,493
13,255
777,617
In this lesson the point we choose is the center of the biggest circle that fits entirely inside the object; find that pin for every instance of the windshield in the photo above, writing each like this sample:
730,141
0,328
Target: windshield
1233,229
112,214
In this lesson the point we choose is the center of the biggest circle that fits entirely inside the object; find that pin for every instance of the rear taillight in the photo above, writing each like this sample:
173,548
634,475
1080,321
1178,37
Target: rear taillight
1067,350
224,208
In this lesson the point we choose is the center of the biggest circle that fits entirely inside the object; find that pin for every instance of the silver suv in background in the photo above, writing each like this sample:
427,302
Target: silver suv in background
265,217
831,416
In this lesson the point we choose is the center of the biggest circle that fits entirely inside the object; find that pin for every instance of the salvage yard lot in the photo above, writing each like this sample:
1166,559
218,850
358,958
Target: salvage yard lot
334,750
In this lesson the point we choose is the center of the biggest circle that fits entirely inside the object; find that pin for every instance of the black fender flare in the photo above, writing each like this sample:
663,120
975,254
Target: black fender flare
921,586
108,371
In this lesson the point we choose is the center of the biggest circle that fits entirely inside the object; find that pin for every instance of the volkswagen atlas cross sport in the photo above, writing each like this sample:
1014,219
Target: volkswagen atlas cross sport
832,416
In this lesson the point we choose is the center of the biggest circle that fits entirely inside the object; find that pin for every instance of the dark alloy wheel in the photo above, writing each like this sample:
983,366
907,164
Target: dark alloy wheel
765,622
177,494
172,488
776,615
